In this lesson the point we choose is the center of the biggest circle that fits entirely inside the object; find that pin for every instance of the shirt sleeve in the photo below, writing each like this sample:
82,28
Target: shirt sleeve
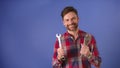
94,59
55,62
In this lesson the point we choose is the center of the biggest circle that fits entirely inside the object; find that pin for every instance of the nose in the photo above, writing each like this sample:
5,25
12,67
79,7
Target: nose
71,21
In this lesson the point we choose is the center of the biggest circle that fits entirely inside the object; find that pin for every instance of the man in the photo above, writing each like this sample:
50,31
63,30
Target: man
75,52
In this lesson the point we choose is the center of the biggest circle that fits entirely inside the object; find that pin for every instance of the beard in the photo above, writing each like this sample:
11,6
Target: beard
72,27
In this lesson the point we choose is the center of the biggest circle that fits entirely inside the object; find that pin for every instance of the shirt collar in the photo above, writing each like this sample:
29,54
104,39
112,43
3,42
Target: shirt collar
68,35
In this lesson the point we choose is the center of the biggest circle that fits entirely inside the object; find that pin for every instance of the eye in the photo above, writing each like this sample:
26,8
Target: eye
73,18
67,20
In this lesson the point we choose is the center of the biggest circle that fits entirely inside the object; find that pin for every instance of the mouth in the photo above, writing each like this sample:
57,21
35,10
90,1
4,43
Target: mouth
72,25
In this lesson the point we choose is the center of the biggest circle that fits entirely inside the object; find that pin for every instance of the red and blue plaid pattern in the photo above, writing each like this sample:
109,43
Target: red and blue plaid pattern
72,49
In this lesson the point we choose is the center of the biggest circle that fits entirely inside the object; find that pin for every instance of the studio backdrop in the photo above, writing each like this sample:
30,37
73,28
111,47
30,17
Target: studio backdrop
28,29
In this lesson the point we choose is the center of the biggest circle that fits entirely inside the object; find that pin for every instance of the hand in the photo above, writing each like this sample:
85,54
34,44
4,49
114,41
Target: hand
60,52
84,50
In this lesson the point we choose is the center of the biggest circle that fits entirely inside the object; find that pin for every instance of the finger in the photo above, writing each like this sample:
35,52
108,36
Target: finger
61,51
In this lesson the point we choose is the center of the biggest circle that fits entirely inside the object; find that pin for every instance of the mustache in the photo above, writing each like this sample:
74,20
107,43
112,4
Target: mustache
73,24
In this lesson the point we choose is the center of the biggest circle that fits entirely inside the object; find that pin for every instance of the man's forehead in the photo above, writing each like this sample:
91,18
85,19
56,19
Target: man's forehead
70,15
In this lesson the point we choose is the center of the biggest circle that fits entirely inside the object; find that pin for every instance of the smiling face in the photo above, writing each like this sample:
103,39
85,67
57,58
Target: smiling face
70,21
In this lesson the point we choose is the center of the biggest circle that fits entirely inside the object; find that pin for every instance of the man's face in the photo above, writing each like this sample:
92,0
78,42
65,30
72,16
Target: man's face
70,21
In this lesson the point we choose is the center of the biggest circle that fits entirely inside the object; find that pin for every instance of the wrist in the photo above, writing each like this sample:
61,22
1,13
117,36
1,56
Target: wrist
58,57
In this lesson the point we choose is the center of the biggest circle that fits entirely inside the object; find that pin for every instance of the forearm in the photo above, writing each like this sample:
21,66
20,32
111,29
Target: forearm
55,62
94,58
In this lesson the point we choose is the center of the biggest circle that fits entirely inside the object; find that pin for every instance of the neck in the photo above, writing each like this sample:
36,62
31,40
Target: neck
74,33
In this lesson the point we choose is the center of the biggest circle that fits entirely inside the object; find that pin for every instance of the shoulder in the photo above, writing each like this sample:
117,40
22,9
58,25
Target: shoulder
65,35
88,36
84,33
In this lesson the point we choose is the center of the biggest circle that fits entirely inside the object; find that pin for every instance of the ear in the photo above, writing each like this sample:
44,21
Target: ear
63,24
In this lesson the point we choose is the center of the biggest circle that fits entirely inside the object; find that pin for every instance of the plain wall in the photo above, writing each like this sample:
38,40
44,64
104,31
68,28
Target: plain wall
28,28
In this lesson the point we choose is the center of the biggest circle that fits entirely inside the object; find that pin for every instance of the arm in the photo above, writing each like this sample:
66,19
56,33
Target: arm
94,57
55,62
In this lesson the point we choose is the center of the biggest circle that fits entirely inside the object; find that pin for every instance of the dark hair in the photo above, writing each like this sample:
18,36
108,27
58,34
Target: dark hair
67,10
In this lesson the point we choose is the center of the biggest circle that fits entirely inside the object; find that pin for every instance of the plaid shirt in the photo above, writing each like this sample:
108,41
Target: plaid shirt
72,48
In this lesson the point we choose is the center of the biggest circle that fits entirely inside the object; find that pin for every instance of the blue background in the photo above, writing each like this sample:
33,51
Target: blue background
28,28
